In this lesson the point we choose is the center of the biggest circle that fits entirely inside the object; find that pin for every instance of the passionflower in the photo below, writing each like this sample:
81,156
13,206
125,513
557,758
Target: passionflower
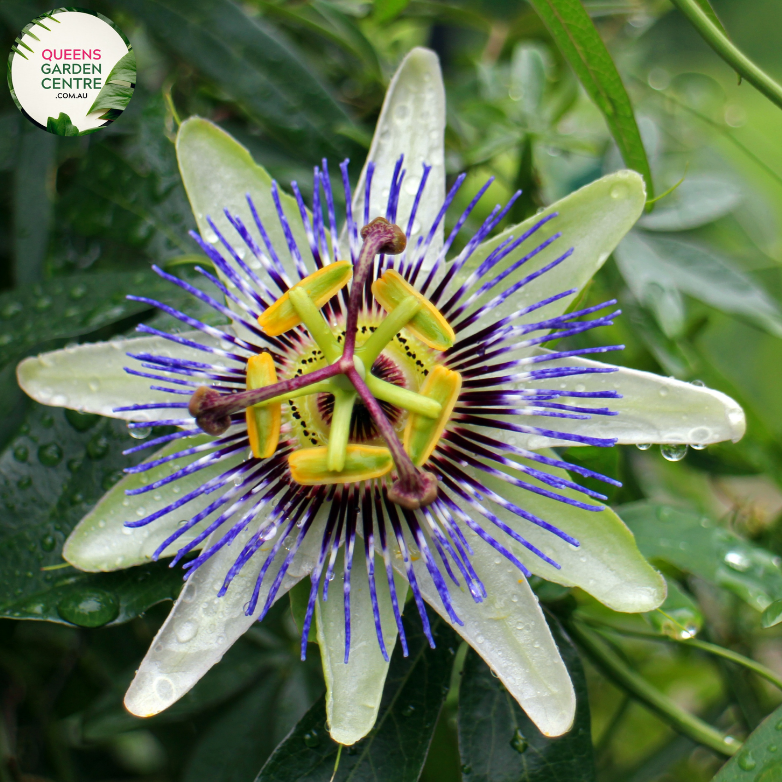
377,417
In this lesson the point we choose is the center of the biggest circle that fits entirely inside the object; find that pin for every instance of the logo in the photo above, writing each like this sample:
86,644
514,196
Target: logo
71,71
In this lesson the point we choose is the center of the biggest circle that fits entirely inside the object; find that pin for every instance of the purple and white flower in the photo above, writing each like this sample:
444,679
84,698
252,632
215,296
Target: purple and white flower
247,527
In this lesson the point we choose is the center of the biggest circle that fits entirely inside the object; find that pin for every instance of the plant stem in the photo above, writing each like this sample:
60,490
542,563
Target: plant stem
718,651
616,669
718,41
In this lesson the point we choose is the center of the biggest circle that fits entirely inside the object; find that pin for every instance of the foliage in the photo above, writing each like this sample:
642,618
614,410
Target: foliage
544,96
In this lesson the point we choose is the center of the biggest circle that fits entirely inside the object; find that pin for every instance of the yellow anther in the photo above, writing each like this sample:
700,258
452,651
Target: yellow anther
309,466
320,286
422,434
427,324
263,421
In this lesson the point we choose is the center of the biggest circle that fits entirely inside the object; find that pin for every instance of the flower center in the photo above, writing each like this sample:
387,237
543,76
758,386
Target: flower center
362,426
354,406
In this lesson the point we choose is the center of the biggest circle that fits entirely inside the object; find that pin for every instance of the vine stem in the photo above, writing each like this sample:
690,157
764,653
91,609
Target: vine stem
615,668
732,55
705,646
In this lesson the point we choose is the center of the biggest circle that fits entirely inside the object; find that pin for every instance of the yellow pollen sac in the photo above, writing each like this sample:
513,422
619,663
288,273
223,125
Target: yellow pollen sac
427,324
309,466
263,422
422,434
320,286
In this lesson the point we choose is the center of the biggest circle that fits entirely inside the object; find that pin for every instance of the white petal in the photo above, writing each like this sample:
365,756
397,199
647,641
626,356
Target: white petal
92,378
218,173
592,221
353,691
202,627
101,542
509,632
607,564
653,409
411,123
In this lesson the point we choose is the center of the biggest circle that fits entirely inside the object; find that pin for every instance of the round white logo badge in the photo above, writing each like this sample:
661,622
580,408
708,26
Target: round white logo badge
71,71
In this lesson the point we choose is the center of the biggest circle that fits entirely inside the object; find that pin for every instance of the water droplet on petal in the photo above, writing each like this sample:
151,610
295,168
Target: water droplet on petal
140,433
643,446
673,452
186,632
21,453
408,710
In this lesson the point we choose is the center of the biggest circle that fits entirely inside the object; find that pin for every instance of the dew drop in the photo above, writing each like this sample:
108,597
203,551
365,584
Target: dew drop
186,632
140,433
746,761
50,455
673,452
402,111
98,447
48,542
89,607
643,446
738,560
81,422
519,742
408,710
25,483
78,291
94,385
21,453
311,739
164,688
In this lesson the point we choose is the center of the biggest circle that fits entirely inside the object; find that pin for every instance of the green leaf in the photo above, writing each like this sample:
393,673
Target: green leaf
707,9
241,666
112,94
61,126
66,307
699,200
395,749
234,745
499,743
695,544
387,10
33,209
59,463
580,43
772,615
759,759
652,263
253,63
124,70
129,202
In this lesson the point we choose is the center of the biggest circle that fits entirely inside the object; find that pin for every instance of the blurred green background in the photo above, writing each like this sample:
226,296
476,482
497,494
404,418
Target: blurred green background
699,282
